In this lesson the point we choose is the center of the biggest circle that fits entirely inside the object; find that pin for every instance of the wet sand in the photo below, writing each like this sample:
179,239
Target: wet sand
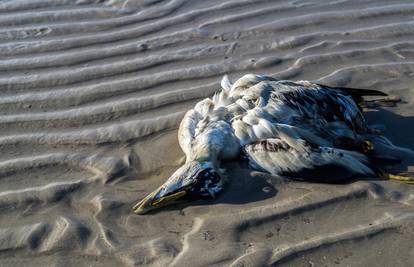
92,93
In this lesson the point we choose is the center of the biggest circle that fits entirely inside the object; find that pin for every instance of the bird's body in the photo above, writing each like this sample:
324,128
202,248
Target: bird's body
301,130
282,127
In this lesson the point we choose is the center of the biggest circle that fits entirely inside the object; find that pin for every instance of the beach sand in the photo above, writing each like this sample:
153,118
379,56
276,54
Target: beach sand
92,93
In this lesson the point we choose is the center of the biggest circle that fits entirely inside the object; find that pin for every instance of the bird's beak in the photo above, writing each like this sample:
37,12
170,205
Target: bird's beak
151,202
193,180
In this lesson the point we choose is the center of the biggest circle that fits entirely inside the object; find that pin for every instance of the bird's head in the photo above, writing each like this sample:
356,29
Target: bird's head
194,180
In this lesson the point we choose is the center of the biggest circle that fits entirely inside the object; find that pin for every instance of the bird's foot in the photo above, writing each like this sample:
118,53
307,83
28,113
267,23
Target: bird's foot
390,101
407,178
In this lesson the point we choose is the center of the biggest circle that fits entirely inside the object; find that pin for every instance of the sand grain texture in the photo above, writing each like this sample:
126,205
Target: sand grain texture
92,92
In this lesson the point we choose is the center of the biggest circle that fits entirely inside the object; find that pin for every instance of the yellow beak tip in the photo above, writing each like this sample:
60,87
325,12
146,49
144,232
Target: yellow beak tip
139,212
168,199
145,205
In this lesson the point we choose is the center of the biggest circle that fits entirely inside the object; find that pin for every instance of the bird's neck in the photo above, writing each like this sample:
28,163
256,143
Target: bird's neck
205,153
209,144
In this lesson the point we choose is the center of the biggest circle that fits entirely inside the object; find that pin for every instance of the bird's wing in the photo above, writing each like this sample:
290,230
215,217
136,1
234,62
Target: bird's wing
301,160
312,102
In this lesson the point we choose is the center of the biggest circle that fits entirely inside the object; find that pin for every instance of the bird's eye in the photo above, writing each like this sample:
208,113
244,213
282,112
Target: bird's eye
214,177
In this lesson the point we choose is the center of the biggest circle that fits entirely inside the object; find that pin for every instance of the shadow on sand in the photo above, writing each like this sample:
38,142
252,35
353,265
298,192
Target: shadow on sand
399,130
247,186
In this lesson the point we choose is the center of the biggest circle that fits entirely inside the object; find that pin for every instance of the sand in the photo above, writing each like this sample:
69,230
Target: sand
92,93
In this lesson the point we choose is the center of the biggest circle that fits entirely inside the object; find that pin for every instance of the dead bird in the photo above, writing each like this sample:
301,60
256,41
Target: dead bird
301,130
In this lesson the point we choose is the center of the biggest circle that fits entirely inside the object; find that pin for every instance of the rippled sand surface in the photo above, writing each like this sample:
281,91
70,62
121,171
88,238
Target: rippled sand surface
92,93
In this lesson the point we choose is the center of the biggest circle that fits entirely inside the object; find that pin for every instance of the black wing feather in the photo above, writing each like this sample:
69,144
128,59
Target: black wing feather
357,91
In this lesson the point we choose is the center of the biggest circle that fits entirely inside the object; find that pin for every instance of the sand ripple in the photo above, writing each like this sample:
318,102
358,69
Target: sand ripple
91,94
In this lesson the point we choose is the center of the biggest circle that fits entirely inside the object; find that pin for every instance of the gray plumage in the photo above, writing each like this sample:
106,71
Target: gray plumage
301,130
283,127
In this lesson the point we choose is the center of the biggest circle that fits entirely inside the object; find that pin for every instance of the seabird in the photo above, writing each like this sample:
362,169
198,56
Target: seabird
301,130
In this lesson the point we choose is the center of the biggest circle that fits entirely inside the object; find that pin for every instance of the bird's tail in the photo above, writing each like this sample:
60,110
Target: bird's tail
358,94
361,92
357,91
